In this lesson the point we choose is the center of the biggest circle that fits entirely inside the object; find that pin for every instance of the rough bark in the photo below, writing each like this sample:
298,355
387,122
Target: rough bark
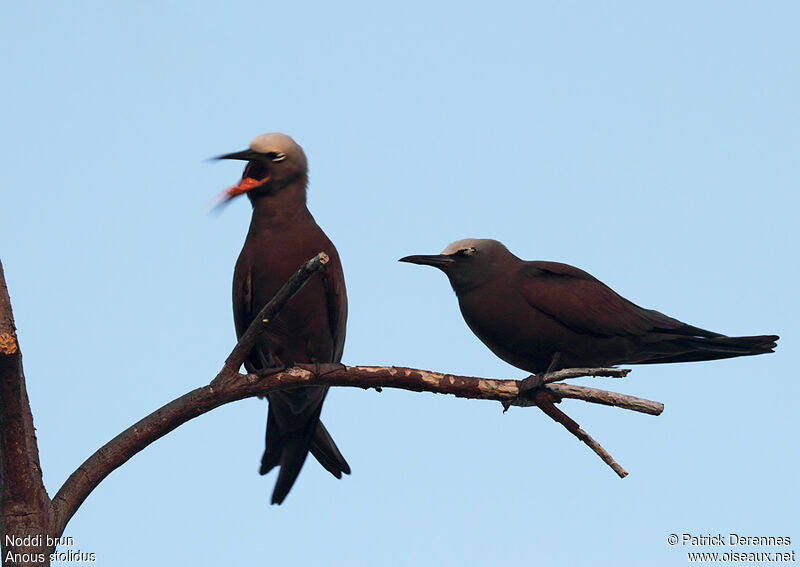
24,504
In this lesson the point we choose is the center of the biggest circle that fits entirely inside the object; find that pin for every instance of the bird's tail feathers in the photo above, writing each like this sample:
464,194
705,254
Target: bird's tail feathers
691,349
274,445
327,453
294,450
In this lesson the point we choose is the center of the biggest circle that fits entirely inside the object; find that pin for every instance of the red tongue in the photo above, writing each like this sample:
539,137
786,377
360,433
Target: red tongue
244,186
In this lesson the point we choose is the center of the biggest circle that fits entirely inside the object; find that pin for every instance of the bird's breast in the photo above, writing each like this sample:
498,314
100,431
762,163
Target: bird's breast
301,332
504,322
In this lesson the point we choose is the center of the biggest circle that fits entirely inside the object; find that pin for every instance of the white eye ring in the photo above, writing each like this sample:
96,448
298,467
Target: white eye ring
467,251
279,157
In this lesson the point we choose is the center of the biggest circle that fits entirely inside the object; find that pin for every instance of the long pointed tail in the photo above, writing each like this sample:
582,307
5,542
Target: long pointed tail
327,453
694,348
294,430
295,446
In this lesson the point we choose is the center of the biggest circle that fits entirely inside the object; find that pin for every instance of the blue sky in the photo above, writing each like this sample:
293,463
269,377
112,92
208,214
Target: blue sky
653,145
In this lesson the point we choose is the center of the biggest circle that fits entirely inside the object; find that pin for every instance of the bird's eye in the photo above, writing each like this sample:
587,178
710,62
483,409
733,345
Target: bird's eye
466,252
276,156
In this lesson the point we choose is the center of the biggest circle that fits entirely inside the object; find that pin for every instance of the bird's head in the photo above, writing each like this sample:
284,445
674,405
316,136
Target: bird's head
467,263
273,162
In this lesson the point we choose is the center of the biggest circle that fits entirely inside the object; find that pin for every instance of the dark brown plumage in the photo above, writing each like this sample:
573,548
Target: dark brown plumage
311,328
532,313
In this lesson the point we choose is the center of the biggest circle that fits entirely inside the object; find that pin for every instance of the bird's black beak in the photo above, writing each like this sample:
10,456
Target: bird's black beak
255,175
435,260
244,155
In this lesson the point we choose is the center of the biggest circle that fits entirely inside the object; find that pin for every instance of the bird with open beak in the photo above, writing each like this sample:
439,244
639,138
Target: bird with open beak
545,316
311,327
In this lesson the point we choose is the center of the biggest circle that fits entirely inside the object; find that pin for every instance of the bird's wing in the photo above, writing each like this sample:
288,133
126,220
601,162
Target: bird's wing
244,310
586,305
242,297
333,280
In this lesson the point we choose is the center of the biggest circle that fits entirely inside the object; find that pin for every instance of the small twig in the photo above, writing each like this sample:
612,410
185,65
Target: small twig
567,373
535,381
548,393
545,403
606,398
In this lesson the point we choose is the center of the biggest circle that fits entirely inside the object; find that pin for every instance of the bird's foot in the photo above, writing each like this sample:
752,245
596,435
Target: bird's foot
526,391
262,373
528,386
532,382
529,390
269,371
535,381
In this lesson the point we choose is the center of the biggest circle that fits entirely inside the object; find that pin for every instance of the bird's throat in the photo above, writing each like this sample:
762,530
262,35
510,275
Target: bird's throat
285,205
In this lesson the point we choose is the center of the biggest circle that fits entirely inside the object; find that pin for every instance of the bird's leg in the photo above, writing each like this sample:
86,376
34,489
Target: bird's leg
270,371
553,363
268,365
535,381
266,372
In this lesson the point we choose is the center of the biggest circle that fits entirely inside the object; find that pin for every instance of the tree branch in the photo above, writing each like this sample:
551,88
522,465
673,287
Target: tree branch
226,388
24,504
229,385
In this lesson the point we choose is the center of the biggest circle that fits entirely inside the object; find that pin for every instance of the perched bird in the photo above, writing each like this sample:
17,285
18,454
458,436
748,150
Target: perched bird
311,327
545,316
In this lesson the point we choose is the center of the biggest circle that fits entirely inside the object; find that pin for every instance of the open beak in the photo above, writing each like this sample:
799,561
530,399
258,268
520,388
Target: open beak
435,260
256,173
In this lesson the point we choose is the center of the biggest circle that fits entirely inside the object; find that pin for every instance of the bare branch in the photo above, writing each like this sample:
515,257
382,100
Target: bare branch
24,504
545,403
504,391
606,398
239,386
567,373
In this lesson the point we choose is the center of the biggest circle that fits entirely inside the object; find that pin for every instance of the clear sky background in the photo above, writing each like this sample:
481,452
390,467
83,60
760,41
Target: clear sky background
654,145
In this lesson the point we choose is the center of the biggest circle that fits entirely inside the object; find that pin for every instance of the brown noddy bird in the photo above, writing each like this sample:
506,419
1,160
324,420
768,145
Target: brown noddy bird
311,327
545,316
